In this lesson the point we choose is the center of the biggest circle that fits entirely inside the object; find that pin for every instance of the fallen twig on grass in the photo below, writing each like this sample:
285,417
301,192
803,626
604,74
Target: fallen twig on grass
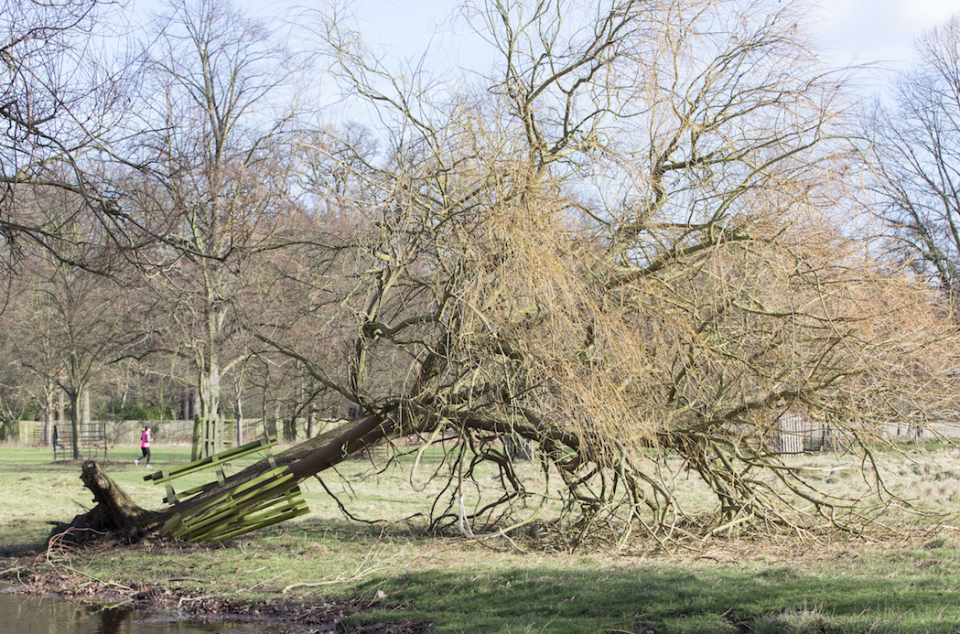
172,579
59,544
842,467
110,584
358,574
331,582
191,599
260,583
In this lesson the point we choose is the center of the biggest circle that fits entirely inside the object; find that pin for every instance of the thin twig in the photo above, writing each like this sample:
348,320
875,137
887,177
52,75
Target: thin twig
357,574
106,583
282,574
331,582
191,599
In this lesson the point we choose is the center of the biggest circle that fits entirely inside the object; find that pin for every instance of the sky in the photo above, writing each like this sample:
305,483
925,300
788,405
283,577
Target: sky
852,31
866,31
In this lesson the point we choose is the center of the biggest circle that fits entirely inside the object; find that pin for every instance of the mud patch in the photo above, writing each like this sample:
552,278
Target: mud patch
290,617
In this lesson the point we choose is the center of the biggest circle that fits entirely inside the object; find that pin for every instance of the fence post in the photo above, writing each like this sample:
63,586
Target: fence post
791,434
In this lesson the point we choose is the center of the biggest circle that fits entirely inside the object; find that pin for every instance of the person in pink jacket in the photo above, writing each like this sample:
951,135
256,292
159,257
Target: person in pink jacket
145,440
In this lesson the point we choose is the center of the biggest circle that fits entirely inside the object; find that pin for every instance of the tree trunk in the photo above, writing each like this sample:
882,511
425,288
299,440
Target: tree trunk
75,420
197,431
85,411
211,424
117,513
238,424
238,381
47,418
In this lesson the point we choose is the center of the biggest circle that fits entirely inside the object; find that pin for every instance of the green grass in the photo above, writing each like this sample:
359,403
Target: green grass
394,573
580,597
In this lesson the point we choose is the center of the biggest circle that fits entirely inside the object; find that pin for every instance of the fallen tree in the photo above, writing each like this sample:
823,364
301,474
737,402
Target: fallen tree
613,484
625,251
117,515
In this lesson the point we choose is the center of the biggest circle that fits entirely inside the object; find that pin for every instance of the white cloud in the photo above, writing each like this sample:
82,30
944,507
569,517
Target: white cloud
879,30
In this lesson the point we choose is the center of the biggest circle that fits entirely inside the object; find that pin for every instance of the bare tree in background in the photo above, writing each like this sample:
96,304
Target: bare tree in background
16,390
214,170
60,101
31,356
81,324
918,159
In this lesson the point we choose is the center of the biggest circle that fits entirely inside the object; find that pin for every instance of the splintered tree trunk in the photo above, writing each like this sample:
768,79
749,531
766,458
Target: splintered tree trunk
116,513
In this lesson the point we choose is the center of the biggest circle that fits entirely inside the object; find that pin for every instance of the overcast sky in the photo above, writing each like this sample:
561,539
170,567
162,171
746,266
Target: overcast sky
854,31
879,30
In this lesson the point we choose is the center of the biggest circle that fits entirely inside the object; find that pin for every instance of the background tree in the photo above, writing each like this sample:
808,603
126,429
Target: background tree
918,159
31,354
82,325
60,100
215,173
15,397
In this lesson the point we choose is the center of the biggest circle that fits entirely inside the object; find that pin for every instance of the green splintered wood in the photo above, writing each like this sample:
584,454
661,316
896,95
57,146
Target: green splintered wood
174,498
226,505
165,476
225,498
243,522
283,517
245,526
265,514
268,499
210,461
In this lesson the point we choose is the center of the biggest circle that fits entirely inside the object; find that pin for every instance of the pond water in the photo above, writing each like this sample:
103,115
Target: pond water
22,614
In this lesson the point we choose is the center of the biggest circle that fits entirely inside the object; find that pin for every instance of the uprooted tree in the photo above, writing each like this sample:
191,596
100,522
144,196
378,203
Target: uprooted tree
622,246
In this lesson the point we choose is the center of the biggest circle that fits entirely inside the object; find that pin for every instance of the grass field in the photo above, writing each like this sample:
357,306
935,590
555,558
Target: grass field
907,582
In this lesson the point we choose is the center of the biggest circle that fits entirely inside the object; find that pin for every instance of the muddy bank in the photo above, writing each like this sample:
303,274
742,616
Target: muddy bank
26,575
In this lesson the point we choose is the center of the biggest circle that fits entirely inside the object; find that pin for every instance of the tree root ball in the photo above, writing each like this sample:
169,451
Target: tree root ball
115,516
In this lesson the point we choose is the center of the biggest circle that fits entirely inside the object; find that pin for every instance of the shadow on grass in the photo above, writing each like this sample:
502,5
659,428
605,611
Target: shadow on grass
661,599
469,589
